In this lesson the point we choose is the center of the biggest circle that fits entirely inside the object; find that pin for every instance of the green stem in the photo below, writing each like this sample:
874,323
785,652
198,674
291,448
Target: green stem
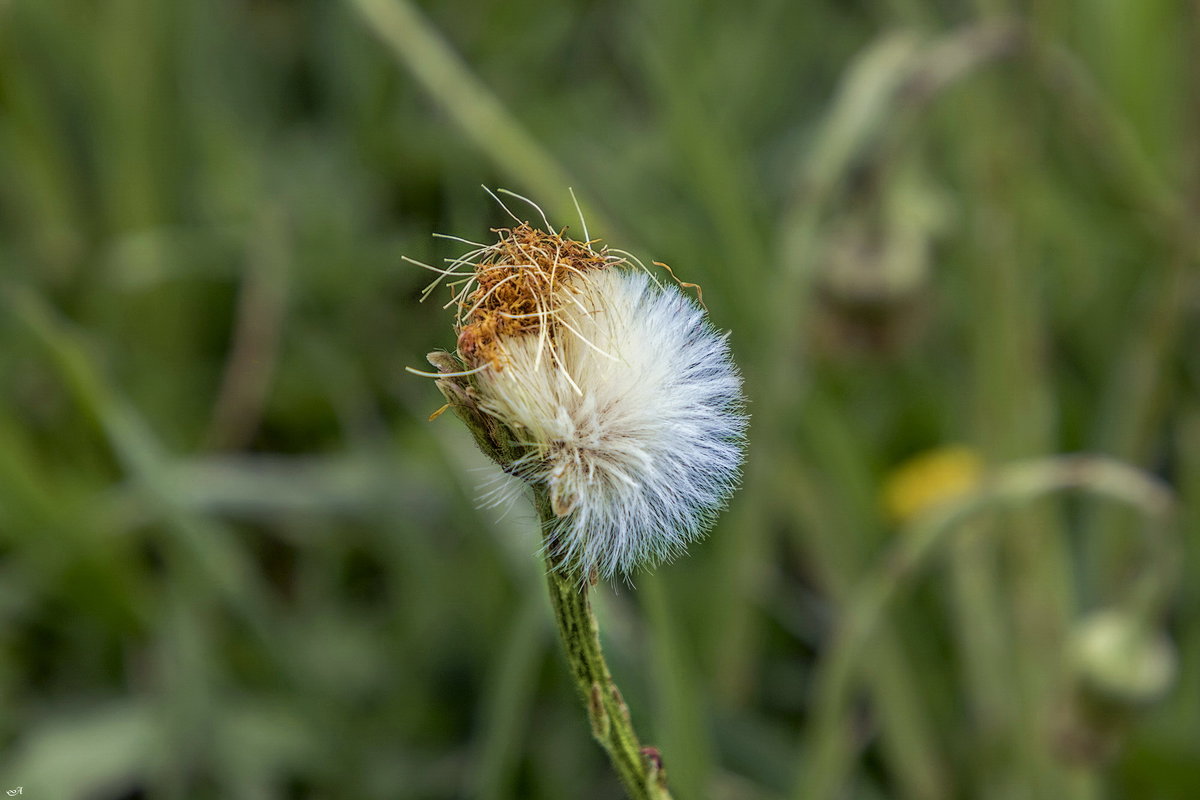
640,769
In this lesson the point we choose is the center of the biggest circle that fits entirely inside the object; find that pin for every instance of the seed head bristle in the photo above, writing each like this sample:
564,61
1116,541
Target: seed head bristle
518,283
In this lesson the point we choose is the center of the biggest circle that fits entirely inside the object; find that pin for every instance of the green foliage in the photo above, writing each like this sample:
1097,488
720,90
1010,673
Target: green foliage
237,561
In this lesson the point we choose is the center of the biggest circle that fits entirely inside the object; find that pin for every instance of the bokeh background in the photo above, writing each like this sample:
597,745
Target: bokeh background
237,561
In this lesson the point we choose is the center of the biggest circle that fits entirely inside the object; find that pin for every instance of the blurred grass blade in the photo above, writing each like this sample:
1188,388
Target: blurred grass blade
480,115
1014,485
104,751
680,718
508,702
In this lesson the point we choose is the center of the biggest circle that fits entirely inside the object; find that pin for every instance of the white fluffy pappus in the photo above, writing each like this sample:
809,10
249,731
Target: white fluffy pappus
632,416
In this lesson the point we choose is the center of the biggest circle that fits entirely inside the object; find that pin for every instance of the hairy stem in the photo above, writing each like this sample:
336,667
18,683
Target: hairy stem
639,768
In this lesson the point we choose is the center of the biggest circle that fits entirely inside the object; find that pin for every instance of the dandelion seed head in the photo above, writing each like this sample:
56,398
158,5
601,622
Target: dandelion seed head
623,398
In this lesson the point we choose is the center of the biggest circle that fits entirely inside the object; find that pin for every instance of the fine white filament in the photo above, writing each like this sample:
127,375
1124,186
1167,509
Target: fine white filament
631,415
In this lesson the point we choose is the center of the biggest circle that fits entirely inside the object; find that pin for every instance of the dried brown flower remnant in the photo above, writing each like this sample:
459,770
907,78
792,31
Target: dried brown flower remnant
515,286
607,391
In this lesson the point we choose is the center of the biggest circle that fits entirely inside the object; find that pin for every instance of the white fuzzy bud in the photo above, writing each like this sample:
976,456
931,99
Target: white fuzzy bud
621,397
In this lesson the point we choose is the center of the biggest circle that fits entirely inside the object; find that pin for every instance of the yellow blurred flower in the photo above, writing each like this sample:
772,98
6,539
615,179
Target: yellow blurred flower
930,479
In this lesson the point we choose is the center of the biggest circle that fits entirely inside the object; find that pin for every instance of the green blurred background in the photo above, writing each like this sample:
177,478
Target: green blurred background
237,561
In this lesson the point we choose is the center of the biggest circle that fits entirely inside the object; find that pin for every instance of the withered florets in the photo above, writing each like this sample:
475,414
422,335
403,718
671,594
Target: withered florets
517,288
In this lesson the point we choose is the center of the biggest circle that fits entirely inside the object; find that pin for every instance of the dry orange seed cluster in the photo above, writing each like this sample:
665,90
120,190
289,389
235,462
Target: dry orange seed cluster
516,282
